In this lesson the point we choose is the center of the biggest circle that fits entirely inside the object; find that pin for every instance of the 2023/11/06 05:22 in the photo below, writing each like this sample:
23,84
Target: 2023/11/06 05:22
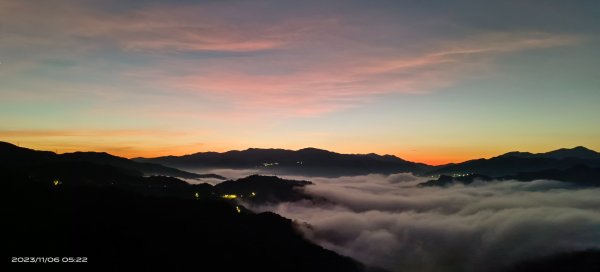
49,259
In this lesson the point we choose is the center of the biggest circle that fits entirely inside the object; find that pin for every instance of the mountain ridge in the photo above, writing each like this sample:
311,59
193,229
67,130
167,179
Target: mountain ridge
561,153
514,163
14,155
315,161
306,161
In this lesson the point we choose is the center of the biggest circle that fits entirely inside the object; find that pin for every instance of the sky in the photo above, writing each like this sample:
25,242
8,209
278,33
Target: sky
428,81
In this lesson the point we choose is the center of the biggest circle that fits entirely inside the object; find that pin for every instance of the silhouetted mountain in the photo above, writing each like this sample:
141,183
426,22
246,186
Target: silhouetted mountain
513,163
85,173
118,229
261,189
580,261
103,207
308,161
578,174
94,205
445,180
578,152
14,156
146,168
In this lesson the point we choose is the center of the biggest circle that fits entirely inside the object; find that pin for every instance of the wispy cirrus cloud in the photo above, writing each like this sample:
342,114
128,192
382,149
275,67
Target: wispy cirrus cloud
153,28
291,66
256,70
314,85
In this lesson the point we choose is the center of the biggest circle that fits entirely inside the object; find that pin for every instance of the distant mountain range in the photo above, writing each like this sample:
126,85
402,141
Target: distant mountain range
312,161
15,156
579,152
307,161
577,164
514,163
578,174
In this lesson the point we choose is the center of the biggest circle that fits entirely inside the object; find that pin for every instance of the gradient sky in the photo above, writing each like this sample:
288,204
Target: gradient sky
428,81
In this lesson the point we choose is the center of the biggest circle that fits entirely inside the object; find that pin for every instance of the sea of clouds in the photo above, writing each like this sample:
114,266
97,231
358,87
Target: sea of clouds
391,222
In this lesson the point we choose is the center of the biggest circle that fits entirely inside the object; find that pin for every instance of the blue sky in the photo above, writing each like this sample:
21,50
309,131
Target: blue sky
436,82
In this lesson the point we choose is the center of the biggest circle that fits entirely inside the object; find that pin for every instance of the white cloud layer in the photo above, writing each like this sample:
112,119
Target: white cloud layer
388,221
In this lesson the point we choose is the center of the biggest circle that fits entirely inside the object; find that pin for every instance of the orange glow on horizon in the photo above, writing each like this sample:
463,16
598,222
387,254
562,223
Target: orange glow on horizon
176,79
431,156
154,147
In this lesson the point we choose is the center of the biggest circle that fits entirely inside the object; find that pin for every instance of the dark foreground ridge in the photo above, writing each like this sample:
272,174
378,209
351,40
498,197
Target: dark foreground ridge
124,221
580,261
116,228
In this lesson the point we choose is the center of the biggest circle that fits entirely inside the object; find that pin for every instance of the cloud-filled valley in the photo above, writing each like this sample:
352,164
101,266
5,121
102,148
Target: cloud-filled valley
390,221
294,136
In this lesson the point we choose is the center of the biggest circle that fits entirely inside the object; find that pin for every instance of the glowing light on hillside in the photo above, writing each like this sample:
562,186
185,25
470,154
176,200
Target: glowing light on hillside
230,196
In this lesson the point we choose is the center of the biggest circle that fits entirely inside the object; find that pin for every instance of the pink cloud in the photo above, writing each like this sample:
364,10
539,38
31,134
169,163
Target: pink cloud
317,65
341,80
166,28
